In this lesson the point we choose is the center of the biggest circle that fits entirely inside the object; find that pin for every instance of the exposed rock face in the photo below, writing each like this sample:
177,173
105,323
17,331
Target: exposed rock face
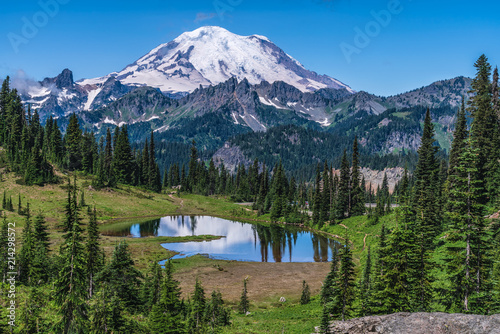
420,323
232,157
374,178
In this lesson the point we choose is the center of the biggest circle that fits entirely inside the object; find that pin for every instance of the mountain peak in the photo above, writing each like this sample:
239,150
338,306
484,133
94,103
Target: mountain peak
210,55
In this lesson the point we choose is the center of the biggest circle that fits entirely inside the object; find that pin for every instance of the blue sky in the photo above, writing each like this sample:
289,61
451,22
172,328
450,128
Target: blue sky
423,41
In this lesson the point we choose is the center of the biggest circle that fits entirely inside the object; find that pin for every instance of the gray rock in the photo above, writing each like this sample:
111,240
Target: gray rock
419,323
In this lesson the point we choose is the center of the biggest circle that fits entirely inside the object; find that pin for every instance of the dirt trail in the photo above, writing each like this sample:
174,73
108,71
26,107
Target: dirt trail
176,202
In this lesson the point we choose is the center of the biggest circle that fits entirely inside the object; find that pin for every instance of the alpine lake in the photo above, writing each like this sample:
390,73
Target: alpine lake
239,241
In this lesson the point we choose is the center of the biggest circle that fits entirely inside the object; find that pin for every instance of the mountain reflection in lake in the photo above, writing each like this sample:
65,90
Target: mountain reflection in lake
242,241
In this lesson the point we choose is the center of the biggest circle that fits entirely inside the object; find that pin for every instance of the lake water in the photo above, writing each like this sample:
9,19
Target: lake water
241,241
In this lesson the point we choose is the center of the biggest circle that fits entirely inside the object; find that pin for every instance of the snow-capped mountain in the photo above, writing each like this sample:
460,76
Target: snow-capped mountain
203,57
211,55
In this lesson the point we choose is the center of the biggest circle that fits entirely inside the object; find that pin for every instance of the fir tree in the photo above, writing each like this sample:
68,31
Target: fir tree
324,213
122,158
244,304
94,253
198,304
166,315
357,205
346,280
426,187
467,264
72,142
27,252
122,277
217,314
343,192
193,167
482,131
71,282
305,297
316,215
365,287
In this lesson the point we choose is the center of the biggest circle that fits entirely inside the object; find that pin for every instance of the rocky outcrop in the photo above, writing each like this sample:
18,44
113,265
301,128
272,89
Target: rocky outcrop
374,178
231,156
419,323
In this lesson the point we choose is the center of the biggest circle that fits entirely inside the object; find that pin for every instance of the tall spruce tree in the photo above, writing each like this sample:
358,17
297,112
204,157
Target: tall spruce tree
357,204
94,253
71,283
467,266
343,188
122,277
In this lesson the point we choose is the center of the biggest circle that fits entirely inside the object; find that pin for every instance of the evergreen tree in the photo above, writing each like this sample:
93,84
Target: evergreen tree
217,314
193,167
316,212
27,252
122,277
483,128
71,282
122,158
467,266
426,185
72,141
357,205
346,280
152,287
365,288
94,253
198,304
244,304
343,192
324,213
166,315
305,297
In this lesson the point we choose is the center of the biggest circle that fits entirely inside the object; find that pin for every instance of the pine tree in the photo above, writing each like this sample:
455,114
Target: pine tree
324,213
379,271
198,304
71,282
357,205
94,253
41,267
244,304
217,314
122,158
365,287
122,277
482,131
316,212
193,167
27,252
426,187
166,315
468,266
343,192
305,297
329,290
72,141
152,287
346,280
